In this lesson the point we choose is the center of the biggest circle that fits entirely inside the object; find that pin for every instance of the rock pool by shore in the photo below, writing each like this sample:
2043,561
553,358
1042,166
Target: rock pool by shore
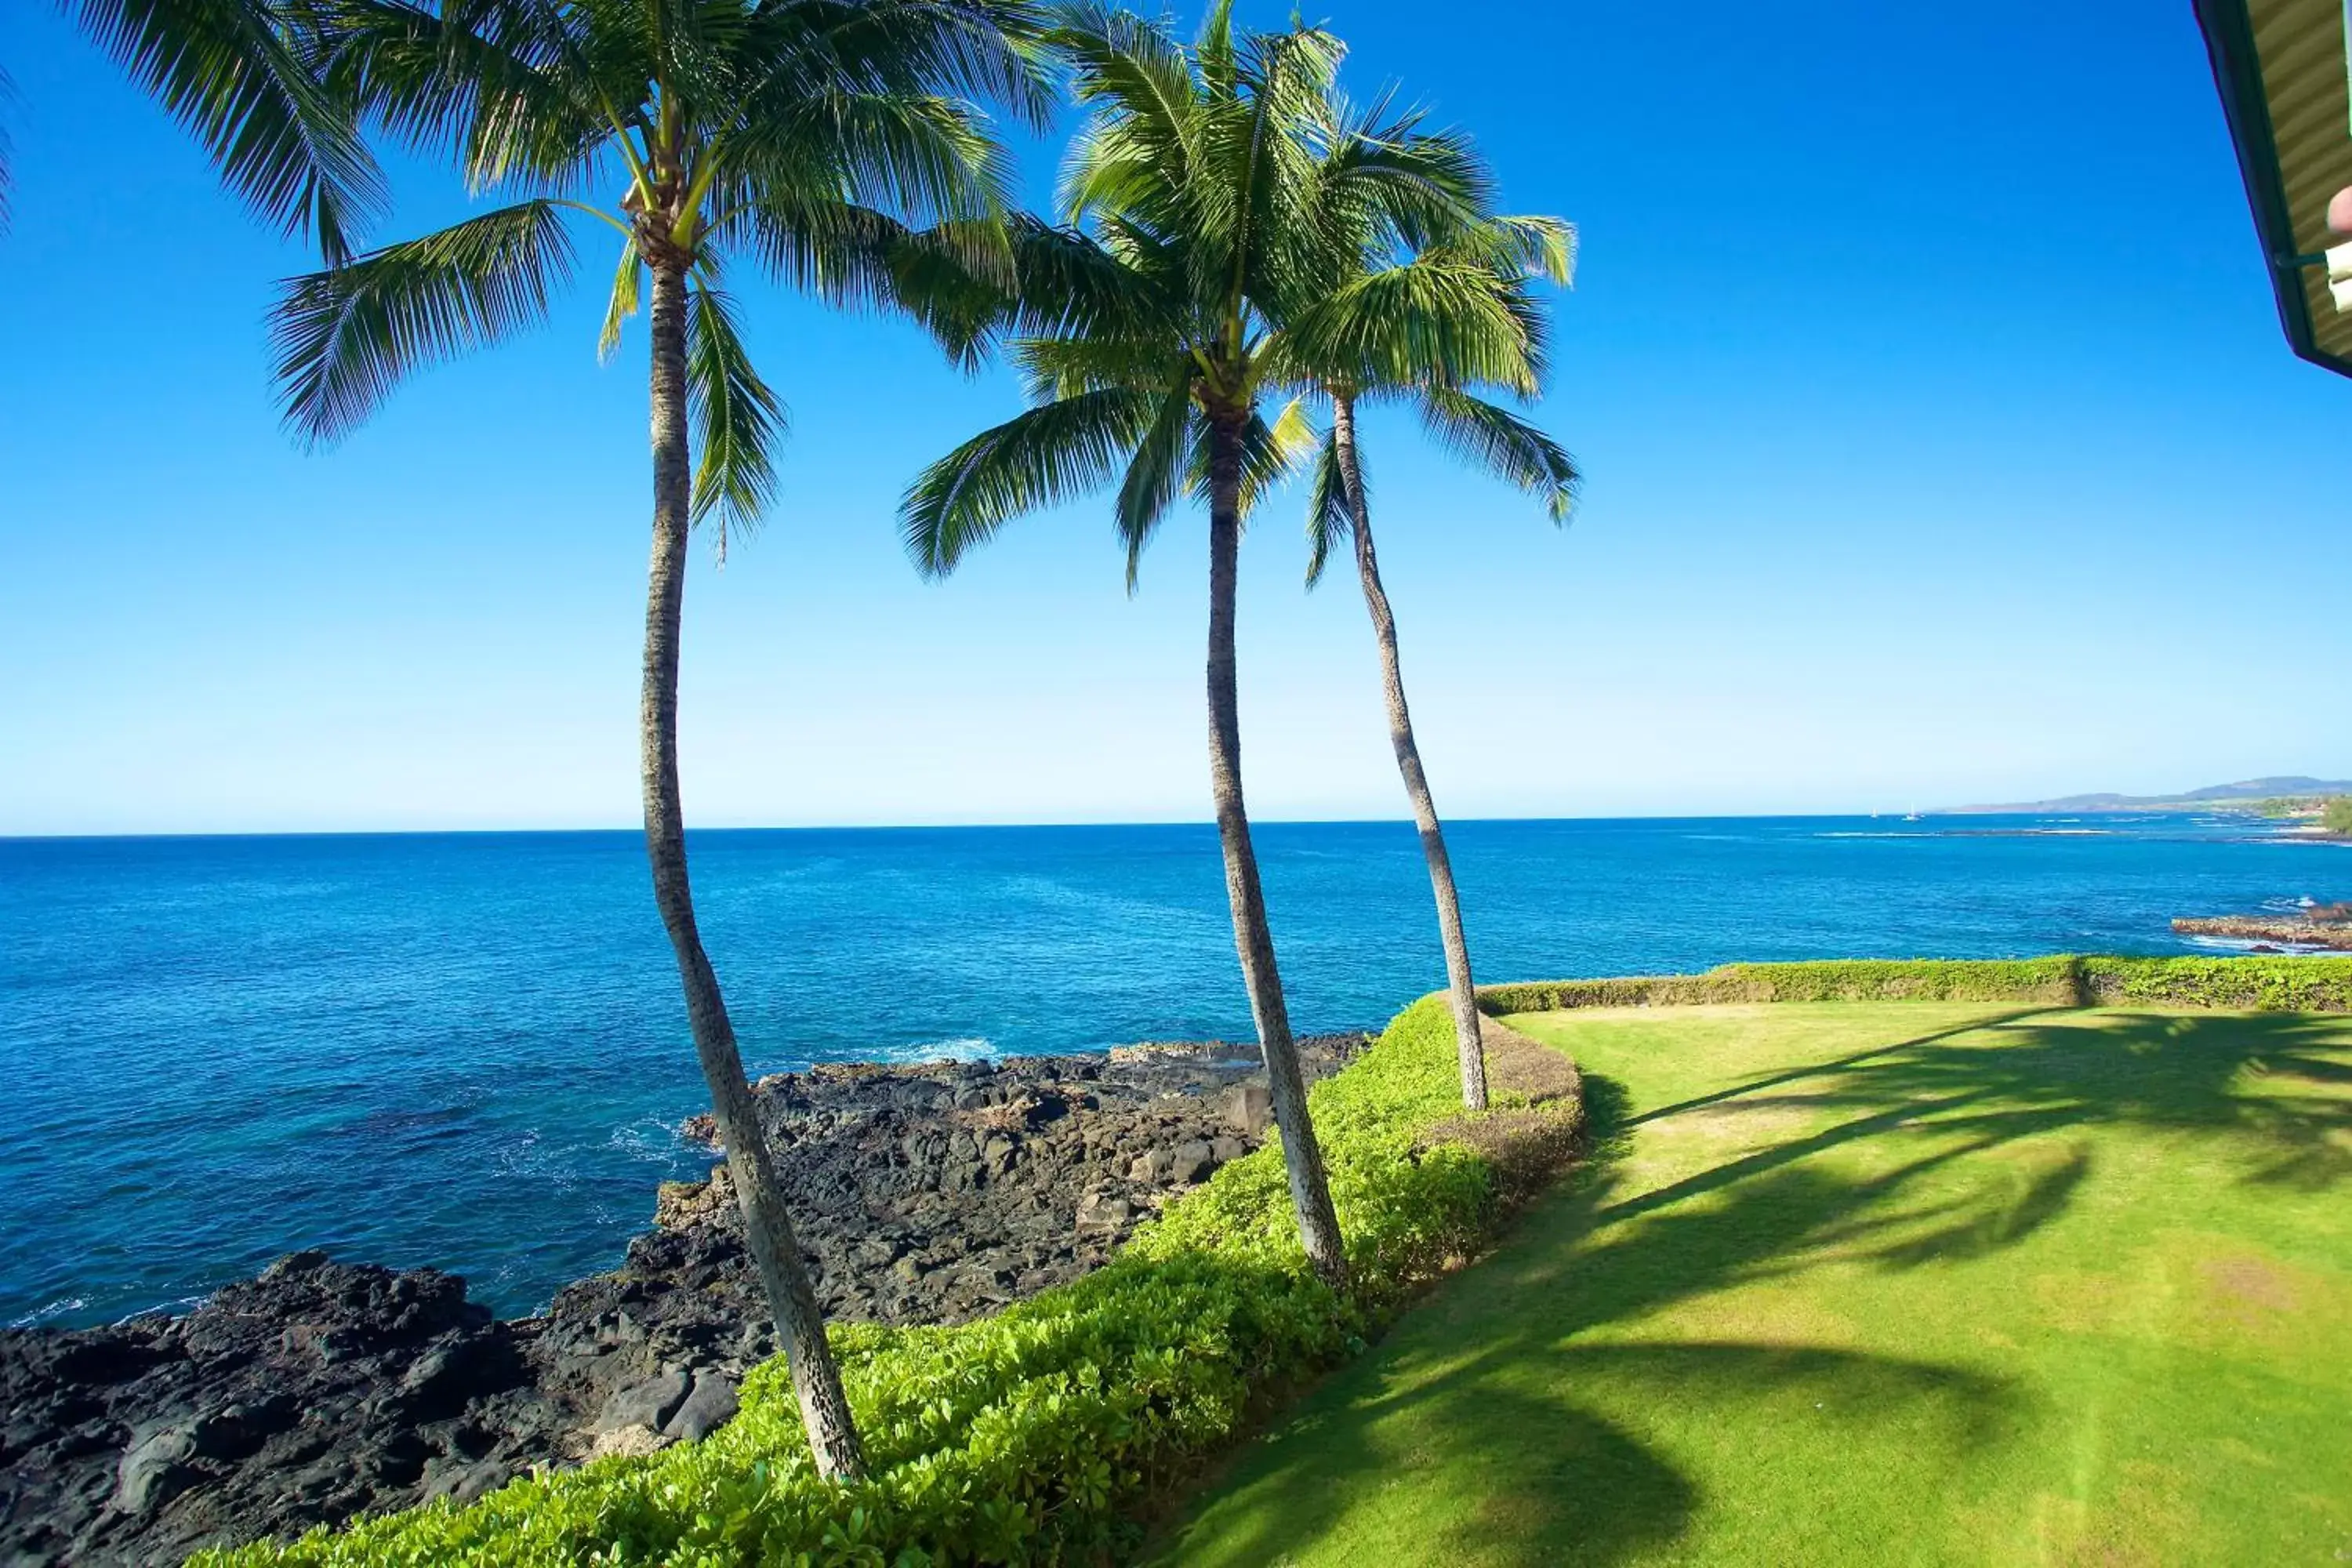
321,1389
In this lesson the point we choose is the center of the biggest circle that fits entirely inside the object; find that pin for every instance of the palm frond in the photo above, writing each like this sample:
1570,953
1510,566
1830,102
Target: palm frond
1330,516
1434,318
1543,246
624,301
245,82
1063,367
1036,458
927,157
1273,452
1384,179
1073,287
1214,48
990,50
955,280
511,91
1154,473
737,419
1505,445
1132,72
346,336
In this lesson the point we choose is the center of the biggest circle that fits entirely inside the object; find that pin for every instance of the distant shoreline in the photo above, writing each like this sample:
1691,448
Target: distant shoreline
2244,795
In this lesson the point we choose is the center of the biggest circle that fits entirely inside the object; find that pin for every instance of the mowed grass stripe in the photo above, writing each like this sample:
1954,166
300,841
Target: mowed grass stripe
1873,1282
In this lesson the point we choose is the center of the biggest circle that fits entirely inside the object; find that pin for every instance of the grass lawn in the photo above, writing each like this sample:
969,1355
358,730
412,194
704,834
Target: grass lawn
1872,1283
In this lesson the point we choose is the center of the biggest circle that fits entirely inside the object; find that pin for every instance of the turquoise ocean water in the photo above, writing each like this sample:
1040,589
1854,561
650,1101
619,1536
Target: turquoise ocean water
468,1051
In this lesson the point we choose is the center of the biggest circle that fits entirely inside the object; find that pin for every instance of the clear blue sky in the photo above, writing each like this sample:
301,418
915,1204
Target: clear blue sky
1941,446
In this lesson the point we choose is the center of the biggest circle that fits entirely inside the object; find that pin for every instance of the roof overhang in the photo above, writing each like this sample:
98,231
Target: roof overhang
2285,71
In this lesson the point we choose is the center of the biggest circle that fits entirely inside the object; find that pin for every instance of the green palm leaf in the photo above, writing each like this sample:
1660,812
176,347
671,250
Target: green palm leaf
738,420
244,79
345,337
625,300
927,157
1155,472
509,92
1505,445
1329,520
1036,458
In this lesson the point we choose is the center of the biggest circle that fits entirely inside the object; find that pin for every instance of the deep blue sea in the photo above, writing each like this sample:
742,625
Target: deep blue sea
468,1051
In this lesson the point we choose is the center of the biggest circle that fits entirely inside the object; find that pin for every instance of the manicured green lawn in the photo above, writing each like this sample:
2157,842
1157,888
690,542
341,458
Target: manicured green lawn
1873,1283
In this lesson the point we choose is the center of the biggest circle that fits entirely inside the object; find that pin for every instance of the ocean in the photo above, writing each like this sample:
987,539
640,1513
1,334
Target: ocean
468,1051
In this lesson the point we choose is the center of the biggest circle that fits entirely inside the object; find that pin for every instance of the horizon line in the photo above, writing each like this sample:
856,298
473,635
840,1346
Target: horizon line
1021,826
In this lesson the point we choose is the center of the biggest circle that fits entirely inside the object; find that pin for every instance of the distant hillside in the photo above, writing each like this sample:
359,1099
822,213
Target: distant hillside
2244,792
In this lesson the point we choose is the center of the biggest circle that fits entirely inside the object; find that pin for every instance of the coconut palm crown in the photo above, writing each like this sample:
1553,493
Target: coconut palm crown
1426,307
810,137
835,144
1152,330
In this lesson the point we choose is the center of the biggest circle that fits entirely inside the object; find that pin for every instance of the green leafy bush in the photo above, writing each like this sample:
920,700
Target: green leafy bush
1030,1436
2337,815
2296,985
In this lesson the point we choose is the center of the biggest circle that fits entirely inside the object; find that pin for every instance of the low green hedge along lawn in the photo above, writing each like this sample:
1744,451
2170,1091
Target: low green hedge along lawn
1954,1282
1031,1436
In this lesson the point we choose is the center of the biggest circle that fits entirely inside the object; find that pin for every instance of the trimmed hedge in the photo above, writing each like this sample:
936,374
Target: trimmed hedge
2051,980
1035,1435
2273,984
2255,984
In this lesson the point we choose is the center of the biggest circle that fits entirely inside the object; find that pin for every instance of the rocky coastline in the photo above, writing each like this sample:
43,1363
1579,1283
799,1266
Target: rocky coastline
2318,926
319,1389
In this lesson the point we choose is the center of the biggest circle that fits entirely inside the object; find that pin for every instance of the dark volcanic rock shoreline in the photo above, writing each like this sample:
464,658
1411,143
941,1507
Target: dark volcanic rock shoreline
2325,927
318,1390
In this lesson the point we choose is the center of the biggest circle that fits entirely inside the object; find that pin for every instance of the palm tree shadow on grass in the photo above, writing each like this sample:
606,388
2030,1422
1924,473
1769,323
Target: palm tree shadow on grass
1555,1482
2266,1089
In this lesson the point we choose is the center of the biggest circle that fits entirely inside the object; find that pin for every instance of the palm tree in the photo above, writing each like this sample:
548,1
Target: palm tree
1152,326
783,128
1427,301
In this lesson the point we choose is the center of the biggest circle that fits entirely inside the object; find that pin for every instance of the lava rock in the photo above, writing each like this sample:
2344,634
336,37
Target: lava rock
154,1470
1191,1162
646,1404
709,1406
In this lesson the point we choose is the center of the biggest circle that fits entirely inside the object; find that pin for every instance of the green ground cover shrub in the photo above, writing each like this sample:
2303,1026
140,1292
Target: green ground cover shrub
2337,815
1033,1436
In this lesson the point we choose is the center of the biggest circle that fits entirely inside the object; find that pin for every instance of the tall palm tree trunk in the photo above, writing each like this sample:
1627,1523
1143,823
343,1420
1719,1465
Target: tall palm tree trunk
1310,1191
1459,989
824,1407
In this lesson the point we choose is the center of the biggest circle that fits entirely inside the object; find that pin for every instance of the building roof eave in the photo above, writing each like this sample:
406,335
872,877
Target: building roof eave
2248,104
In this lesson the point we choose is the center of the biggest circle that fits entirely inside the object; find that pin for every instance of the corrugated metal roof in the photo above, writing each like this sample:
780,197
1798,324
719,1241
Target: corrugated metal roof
2281,68
2300,46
